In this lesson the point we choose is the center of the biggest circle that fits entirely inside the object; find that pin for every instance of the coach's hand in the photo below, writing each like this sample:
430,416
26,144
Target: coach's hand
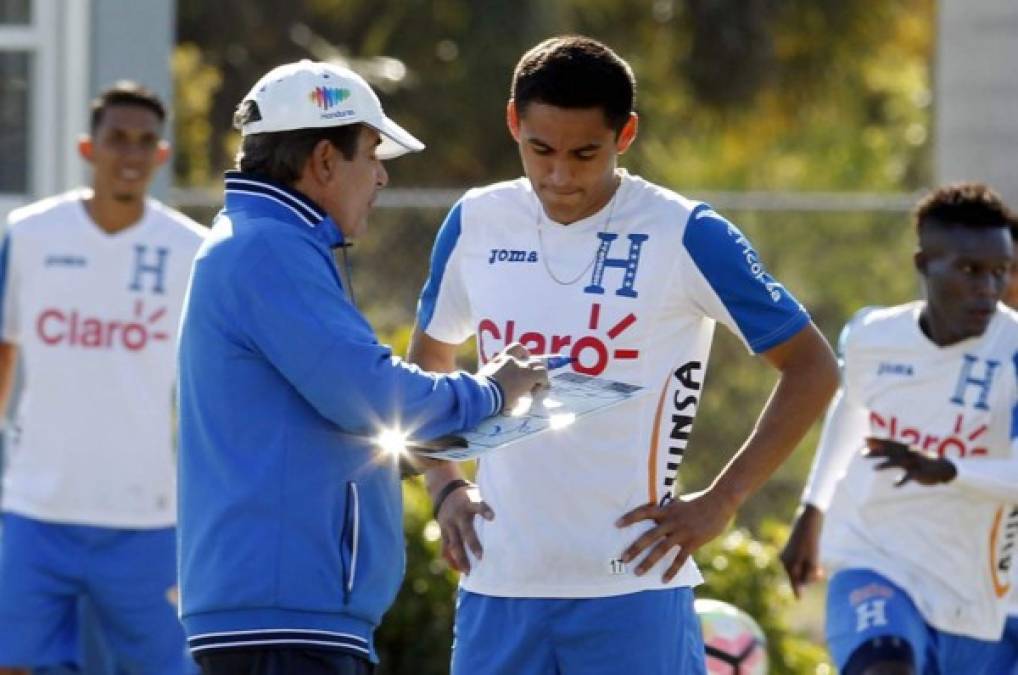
516,373
688,523
455,516
800,556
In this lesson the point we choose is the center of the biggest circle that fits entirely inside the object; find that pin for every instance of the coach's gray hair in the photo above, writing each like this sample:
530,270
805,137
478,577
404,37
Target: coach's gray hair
280,156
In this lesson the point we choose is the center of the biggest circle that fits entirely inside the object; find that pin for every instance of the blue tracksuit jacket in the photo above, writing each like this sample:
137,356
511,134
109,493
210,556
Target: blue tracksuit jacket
290,518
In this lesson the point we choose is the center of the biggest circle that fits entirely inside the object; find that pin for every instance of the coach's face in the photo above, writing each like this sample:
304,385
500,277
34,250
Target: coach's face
124,150
965,270
353,184
569,155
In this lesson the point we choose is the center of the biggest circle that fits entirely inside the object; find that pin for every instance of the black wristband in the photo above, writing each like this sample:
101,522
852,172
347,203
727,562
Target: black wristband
448,489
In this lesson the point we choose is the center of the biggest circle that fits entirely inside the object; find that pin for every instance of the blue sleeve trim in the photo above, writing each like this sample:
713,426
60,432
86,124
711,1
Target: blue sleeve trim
4,262
763,310
445,243
497,395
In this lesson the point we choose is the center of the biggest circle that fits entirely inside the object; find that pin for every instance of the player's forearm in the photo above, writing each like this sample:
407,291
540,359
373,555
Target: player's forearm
841,438
808,380
8,365
439,476
992,479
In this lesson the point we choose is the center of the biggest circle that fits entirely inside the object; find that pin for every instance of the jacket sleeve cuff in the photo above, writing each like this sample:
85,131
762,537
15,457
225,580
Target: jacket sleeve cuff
496,396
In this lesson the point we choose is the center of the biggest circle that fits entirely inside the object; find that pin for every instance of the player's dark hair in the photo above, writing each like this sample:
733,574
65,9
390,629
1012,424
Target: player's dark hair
127,93
280,156
575,72
963,205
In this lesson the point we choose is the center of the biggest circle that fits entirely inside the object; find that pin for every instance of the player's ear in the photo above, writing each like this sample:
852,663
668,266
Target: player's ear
628,133
163,151
85,147
512,119
921,260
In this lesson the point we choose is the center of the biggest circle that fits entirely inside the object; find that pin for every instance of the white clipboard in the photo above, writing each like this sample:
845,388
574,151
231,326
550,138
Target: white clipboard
571,397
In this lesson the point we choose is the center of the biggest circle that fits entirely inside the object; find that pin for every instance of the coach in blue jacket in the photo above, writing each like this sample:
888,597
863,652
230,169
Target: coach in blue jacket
291,541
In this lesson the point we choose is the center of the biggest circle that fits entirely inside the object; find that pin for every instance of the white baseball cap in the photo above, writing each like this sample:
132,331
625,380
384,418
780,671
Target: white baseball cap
311,95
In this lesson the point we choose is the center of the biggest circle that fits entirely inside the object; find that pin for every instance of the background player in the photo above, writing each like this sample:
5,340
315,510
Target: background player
631,279
92,287
921,581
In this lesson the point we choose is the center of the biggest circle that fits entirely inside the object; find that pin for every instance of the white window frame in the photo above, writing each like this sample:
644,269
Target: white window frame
58,39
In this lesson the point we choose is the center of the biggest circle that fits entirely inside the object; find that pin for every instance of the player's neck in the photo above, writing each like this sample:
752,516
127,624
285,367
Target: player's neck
113,215
938,332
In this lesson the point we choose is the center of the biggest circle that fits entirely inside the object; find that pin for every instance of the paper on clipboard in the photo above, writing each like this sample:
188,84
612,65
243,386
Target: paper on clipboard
571,397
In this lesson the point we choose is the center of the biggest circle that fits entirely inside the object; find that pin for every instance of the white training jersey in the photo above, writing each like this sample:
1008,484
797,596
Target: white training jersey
633,292
94,317
948,546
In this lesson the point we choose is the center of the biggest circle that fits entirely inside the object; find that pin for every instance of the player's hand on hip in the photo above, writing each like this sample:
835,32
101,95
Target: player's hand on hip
516,373
917,465
800,556
456,519
686,523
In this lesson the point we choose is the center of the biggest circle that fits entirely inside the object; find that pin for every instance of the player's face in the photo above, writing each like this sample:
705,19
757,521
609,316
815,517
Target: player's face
570,156
124,150
354,185
966,271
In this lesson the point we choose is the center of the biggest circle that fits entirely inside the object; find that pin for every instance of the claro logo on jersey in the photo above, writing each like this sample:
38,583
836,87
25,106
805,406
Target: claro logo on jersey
593,351
961,442
71,328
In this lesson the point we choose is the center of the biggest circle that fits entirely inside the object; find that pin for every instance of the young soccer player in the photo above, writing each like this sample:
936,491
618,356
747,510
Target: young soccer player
580,561
919,533
92,287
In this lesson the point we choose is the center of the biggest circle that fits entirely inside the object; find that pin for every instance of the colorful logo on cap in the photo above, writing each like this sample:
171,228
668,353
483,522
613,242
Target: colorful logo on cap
326,97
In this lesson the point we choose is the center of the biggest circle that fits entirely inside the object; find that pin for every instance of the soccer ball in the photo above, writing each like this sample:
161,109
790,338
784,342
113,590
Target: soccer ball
734,642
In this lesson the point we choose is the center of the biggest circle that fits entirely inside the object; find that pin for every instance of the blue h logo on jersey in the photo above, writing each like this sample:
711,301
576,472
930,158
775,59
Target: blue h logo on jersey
629,264
968,379
154,268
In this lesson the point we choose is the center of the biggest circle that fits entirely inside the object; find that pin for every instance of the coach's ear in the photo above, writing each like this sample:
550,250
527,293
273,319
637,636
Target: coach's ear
85,147
512,119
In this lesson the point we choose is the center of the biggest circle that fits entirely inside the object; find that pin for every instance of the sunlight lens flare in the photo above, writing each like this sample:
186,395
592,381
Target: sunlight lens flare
392,442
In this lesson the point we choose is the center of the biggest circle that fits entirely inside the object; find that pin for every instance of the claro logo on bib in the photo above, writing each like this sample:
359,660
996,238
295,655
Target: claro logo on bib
73,328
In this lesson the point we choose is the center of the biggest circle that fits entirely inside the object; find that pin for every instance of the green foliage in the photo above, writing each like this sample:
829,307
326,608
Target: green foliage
416,634
746,572
195,84
814,94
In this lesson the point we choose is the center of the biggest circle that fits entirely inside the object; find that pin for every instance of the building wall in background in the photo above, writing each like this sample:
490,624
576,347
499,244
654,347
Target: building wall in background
55,55
134,40
976,86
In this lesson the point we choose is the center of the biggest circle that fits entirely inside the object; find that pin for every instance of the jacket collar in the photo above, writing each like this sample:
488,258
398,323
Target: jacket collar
251,191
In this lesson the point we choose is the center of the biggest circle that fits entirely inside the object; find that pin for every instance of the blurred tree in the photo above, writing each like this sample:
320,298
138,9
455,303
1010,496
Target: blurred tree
734,94
195,84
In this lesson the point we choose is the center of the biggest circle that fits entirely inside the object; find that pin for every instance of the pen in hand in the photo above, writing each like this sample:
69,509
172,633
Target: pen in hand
554,361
